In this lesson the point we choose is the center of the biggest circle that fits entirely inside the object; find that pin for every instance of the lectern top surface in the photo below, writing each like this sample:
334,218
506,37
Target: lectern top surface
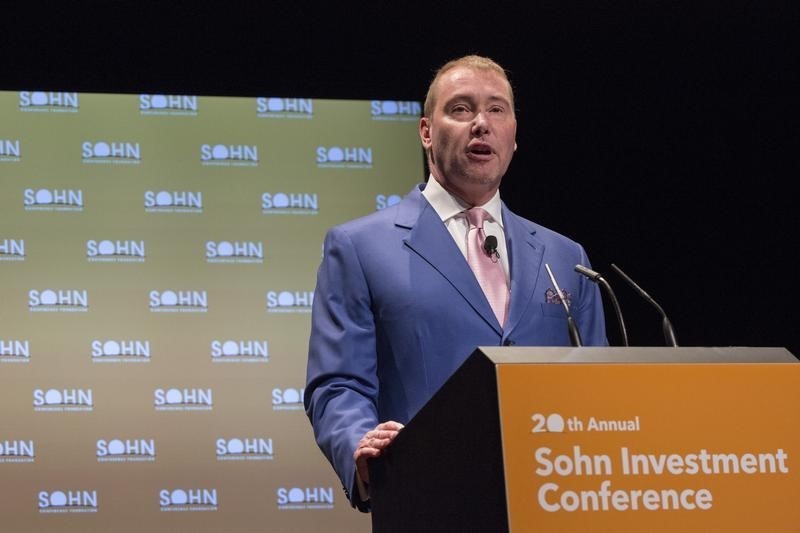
646,354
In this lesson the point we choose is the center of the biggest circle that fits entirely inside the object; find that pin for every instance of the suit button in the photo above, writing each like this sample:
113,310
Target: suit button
508,342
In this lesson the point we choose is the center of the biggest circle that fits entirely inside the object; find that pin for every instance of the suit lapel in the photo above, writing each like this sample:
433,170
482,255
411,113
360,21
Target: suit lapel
526,254
429,238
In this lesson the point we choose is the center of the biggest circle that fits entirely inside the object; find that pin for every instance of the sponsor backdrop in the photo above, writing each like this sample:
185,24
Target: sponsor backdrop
158,256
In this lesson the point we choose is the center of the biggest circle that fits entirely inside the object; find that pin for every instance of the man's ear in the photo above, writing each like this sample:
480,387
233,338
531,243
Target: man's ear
425,132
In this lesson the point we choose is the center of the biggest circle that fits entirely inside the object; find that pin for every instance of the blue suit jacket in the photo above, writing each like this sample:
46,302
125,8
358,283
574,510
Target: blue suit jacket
397,310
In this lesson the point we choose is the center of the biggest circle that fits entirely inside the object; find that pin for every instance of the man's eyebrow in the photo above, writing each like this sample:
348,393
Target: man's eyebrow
471,98
460,96
500,98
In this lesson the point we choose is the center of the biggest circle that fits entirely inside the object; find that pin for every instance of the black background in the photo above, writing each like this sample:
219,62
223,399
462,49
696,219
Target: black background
663,136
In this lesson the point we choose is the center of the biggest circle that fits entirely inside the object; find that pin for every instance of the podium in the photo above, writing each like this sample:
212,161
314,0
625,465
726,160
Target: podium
600,439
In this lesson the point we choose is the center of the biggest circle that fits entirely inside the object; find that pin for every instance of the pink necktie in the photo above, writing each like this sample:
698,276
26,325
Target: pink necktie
487,269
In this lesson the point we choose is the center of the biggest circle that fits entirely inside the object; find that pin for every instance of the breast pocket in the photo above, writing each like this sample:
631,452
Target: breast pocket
554,311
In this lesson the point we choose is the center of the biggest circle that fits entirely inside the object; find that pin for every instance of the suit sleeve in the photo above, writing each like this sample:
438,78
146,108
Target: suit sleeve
341,381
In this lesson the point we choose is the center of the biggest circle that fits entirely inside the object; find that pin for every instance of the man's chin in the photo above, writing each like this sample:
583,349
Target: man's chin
483,178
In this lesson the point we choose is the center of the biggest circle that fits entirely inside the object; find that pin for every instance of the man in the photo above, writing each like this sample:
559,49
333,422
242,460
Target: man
398,305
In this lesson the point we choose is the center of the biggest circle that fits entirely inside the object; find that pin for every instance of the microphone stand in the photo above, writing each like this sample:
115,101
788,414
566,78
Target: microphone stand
574,334
666,325
599,279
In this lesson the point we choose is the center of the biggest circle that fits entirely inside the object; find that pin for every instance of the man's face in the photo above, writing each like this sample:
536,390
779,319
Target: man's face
471,133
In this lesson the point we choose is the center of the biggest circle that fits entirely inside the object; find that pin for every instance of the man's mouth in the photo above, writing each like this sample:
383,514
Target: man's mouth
479,150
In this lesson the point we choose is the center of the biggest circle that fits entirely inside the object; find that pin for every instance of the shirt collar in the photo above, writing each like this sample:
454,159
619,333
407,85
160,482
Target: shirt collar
448,205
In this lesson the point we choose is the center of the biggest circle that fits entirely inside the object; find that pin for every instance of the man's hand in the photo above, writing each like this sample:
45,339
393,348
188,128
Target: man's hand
372,444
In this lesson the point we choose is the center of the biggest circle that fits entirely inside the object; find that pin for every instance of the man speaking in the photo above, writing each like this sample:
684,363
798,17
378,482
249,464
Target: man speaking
406,294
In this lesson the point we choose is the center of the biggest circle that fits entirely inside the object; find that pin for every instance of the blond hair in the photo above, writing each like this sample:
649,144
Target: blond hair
474,62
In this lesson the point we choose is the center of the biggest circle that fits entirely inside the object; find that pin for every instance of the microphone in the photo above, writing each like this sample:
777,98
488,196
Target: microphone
574,334
490,247
666,325
596,277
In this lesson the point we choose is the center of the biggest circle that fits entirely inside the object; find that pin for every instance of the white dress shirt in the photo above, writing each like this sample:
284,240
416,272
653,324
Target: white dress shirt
451,209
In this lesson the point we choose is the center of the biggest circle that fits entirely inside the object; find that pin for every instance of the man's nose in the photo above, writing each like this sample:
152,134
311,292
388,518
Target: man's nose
480,125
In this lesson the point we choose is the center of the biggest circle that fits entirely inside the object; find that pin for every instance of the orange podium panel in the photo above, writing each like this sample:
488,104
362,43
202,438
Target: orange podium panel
601,439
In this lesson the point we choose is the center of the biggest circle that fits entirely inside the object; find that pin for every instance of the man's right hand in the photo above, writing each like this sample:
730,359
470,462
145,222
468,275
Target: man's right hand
372,445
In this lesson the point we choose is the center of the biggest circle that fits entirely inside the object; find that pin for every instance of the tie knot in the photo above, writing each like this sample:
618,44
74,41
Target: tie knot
476,216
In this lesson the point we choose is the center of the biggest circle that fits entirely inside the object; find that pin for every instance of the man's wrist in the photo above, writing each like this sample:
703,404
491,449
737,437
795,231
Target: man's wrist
362,487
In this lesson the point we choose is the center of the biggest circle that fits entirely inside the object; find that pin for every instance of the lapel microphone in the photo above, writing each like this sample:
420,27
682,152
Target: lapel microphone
490,247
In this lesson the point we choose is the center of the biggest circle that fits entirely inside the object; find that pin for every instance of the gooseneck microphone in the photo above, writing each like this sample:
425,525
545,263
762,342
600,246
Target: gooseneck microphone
666,325
490,247
574,334
596,277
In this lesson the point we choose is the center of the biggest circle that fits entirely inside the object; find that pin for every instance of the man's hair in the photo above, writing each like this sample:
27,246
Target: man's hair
474,62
